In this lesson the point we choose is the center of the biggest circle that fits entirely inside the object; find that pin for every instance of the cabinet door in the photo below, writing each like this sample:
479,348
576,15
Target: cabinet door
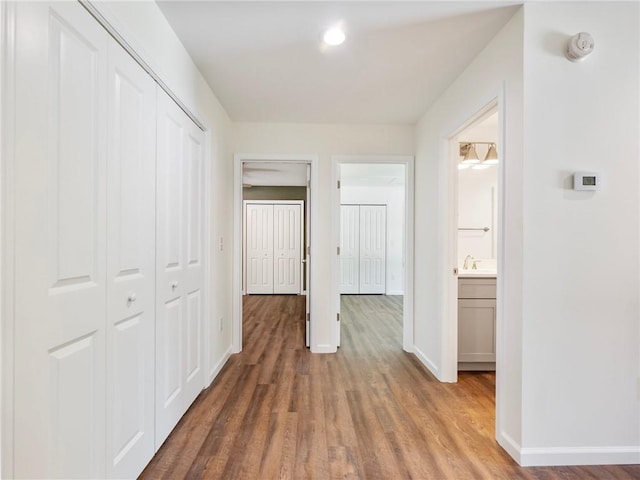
259,224
476,330
179,264
349,249
287,245
60,232
131,101
373,240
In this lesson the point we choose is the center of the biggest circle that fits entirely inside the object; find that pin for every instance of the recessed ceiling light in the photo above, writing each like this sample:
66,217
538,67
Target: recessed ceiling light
333,36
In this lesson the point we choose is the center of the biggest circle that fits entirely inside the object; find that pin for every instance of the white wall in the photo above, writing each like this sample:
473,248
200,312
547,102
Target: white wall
324,140
147,30
497,71
569,346
393,197
580,292
477,208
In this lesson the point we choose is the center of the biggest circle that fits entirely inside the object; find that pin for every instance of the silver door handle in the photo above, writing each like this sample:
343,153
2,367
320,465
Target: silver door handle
131,298
174,285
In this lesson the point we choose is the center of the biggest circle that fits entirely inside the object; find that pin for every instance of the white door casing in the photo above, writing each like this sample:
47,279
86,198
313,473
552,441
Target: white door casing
373,239
350,249
287,228
179,264
307,261
60,232
259,246
130,368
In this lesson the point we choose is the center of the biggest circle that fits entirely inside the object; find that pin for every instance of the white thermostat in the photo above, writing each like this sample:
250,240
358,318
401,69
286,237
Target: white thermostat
586,181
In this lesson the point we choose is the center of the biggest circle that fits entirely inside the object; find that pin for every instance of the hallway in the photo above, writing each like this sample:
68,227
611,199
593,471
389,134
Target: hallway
369,411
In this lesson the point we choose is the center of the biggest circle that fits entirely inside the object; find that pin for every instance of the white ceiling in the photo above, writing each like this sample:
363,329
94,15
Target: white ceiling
265,62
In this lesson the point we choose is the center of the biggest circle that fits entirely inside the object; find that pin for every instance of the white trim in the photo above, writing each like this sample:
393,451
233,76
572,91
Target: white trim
239,159
7,161
218,366
407,308
449,237
207,317
427,363
557,456
509,444
122,40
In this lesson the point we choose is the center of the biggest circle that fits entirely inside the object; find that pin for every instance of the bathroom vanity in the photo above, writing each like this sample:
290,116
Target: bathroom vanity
476,321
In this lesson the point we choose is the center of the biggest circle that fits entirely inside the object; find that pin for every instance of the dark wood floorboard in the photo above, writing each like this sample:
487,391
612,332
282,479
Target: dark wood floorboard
371,411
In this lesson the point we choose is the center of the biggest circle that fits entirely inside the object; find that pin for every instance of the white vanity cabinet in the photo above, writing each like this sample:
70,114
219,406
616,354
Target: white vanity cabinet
477,323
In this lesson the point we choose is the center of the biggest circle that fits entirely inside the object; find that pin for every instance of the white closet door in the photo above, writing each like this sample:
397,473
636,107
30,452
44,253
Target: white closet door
60,208
179,269
131,100
373,238
349,249
259,248
286,248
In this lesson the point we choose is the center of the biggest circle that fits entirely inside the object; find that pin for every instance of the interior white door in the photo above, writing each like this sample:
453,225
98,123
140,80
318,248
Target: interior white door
60,232
131,103
349,249
179,268
286,248
259,241
373,239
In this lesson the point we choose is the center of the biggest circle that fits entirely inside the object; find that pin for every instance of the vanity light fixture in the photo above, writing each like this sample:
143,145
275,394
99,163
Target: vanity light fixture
492,156
471,156
334,36
468,151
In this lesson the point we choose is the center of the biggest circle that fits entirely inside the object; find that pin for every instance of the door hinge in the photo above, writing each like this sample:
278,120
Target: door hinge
309,250
337,317
338,249
308,317
338,184
308,183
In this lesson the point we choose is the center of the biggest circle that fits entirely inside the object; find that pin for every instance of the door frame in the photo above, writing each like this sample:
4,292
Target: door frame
7,161
449,279
244,236
408,247
238,278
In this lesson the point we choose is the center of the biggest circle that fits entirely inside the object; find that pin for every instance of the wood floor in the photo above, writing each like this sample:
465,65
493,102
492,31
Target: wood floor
370,411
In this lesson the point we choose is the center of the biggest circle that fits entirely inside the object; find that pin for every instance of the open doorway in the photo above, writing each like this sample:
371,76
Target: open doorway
477,161
373,216
272,248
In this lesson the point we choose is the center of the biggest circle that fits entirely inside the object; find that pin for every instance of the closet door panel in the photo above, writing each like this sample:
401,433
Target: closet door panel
286,248
60,292
179,268
349,249
192,259
130,265
259,241
373,238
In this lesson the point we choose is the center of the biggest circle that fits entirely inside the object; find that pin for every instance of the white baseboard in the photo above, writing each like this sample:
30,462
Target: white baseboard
323,348
216,369
426,362
556,456
395,292
510,446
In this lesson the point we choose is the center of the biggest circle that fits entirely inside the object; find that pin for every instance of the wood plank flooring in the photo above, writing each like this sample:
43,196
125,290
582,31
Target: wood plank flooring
371,411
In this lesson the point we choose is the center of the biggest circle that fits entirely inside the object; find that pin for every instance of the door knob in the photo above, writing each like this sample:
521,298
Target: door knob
131,298
174,285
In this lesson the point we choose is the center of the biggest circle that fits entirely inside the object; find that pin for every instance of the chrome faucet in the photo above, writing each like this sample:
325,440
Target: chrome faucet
465,265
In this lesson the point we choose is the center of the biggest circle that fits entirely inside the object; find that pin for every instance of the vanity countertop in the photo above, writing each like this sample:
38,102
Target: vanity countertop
479,273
